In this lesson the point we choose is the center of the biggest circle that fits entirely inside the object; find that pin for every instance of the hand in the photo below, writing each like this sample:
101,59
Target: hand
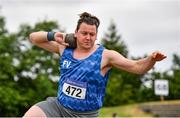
59,37
158,56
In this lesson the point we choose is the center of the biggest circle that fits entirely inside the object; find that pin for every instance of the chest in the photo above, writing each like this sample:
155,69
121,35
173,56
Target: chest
80,56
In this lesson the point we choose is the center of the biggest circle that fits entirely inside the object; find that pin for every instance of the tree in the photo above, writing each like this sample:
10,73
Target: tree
7,71
122,85
172,75
26,70
174,79
113,41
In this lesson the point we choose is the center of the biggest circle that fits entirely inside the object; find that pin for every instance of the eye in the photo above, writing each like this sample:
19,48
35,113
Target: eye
92,34
84,33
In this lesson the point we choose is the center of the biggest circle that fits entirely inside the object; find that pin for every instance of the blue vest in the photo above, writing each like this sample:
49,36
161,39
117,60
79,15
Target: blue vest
81,85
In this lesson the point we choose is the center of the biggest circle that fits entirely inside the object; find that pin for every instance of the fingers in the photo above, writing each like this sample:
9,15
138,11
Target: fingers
66,39
65,44
61,41
158,56
59,37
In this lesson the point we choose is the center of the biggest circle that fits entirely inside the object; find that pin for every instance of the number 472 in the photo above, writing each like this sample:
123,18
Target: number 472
73,91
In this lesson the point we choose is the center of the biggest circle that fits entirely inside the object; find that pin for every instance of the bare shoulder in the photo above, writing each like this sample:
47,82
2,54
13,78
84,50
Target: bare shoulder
61,49
113,57
109,53
106,56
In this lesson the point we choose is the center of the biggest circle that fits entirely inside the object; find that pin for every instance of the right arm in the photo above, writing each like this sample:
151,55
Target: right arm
40,39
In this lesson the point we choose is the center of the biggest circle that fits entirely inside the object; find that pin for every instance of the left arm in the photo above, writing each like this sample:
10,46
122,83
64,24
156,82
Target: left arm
147,63
135,66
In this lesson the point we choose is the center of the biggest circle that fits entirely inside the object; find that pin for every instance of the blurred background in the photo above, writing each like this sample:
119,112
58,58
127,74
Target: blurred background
134,28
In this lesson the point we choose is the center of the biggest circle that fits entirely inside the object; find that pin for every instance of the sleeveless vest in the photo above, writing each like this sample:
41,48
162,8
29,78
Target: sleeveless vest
81,85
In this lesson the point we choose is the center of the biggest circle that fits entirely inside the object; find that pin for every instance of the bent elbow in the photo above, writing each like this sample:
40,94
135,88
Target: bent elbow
141,72
32,38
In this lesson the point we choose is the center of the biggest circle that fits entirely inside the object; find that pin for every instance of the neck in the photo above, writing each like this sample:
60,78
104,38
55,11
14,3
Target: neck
81,53
85,50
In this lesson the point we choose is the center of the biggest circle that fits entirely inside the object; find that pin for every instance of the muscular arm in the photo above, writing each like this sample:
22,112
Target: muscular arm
40,39
135,66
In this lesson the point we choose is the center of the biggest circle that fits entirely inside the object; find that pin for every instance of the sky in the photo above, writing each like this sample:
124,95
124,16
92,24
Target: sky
145,25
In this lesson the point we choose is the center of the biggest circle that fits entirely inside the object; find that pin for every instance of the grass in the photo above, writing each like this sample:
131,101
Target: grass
123,111
163,102
132,110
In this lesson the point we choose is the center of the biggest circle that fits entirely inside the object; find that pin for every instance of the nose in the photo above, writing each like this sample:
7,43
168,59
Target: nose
88,36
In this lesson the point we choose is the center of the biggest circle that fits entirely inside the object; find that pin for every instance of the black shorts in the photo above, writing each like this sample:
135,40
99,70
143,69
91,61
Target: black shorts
52,108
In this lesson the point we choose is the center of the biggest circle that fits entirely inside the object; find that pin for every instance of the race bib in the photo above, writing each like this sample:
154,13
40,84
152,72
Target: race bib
75,89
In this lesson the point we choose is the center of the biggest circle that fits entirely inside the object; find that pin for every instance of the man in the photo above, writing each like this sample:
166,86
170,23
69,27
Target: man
84,70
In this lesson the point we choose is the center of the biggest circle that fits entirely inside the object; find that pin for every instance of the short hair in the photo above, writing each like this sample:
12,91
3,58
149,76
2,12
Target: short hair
88,19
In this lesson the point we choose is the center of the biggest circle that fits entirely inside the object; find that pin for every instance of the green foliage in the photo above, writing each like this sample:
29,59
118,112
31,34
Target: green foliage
174,79
176,62
26,70
112,40
173,76
2,26
122,85
126,88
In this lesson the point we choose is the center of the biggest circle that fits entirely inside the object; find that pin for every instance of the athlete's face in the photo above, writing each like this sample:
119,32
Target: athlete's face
86,35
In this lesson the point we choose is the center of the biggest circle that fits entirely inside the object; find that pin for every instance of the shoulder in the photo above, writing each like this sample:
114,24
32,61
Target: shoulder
66,51
108,57
112,56
61,49
109,53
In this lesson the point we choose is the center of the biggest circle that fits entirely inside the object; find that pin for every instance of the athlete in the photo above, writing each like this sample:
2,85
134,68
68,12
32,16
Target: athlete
85,68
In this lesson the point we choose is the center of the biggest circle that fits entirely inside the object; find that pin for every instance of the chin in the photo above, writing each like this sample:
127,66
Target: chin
89,46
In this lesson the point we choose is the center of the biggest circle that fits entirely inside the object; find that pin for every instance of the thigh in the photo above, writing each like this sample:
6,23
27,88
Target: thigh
50,107
35,111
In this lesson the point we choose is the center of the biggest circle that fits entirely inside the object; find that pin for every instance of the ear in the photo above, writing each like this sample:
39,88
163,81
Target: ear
75,34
